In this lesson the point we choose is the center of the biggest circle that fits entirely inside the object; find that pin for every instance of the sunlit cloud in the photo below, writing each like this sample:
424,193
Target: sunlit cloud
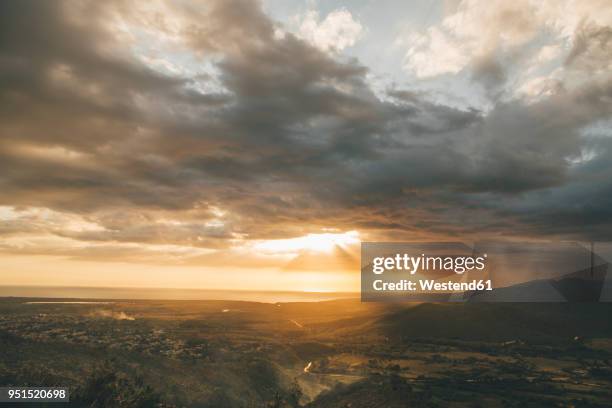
337,31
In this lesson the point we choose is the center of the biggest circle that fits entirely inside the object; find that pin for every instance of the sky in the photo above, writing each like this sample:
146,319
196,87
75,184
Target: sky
253,145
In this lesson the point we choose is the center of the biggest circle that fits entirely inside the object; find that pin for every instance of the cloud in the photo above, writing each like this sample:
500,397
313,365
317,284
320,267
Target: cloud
337,31
474,29
511,45
257,136
591,49
433,53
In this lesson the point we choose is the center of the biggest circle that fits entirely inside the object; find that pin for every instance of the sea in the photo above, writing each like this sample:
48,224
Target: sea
124,293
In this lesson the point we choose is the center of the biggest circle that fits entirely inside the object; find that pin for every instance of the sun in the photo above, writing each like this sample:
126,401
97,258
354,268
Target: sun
324,242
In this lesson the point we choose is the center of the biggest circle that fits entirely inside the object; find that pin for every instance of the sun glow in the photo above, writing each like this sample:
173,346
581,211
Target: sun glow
324,242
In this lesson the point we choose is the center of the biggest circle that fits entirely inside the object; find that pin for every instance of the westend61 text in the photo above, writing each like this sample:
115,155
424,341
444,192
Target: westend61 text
429,285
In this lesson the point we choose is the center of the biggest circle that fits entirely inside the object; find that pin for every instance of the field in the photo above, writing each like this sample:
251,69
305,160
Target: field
317,354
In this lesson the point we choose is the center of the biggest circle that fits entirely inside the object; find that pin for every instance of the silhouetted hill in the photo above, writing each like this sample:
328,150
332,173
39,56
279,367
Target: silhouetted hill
491,321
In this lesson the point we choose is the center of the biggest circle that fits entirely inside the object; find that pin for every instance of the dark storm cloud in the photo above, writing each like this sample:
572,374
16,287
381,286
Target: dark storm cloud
582,207
294,141
490,73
